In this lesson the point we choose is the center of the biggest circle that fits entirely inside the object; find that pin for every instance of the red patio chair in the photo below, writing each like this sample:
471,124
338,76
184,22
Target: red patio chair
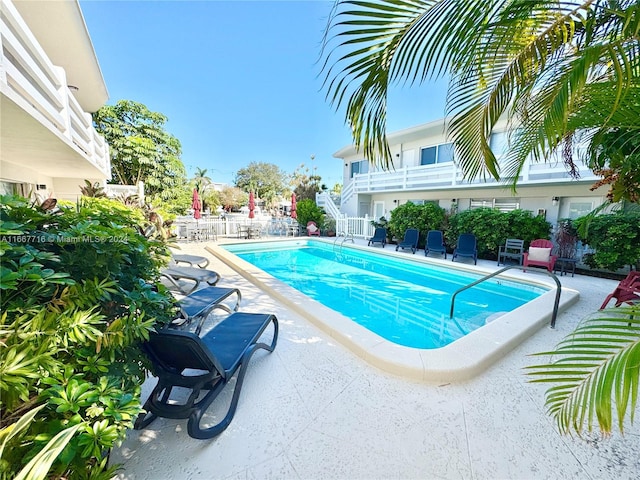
539,254
626,291
312,228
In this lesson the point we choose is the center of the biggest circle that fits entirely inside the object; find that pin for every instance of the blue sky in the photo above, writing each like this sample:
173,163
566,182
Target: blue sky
238,80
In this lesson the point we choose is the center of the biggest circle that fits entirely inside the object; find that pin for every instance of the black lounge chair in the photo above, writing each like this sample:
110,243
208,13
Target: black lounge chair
379,236
207,364
435,243
191,260
176,276
411,236
467,247
199,304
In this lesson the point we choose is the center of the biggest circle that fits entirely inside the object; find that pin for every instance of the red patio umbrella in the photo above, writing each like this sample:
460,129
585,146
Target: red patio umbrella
294,214
196,205
252,205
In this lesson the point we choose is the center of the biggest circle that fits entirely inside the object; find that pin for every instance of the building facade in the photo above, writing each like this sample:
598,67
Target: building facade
425,170
50,83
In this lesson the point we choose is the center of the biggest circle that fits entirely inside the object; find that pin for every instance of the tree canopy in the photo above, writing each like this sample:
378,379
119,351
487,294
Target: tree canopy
267,180
142,150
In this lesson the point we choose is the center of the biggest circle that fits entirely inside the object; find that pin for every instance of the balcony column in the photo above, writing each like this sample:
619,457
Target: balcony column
63,95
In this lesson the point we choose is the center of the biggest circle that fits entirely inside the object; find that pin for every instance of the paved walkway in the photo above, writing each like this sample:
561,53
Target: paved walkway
314,410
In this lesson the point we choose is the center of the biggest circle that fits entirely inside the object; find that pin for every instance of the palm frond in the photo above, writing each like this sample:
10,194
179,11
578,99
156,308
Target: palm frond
594,369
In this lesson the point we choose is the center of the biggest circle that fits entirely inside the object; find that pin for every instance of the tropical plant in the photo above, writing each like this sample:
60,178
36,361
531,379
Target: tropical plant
79,293
614,237
267,180
92,189
594,368
143,151
305,183
421,217
307,210
566,239
492,227
562,73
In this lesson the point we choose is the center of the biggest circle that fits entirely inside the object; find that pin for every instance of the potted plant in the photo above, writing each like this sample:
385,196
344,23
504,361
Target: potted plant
329,226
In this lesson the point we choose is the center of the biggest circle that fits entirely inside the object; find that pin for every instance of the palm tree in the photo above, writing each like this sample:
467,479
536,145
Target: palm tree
200,179
560,73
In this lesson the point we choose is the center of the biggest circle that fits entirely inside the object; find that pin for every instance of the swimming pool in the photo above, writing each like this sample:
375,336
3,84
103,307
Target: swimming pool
402,301
460,359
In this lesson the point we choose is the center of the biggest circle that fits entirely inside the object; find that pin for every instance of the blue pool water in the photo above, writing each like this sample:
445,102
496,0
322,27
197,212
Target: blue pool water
404,301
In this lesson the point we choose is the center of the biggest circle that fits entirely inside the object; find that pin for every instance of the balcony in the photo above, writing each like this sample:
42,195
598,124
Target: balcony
44,127
448,176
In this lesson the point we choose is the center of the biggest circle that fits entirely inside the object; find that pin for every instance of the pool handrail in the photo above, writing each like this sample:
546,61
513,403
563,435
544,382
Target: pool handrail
509,267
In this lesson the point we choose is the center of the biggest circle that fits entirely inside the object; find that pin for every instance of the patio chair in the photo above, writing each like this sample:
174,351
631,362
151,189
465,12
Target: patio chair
513,249
176,277
191,260
379,236
410,240
435,243
466,247
312,228
204,366
627,291
539,254
199,304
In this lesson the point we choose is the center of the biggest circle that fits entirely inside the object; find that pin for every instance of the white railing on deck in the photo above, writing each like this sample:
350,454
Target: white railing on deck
28,77
359,227
448,175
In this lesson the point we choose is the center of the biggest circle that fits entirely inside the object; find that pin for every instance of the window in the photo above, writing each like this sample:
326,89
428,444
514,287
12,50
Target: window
359,167
579,209
439,154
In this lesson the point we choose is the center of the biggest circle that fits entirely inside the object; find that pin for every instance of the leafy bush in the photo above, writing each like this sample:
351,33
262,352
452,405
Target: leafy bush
492,227
422,217
79,293
307,210
614,237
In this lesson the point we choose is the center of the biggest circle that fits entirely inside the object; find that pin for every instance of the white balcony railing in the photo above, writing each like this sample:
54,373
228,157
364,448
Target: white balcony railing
28,77
447,176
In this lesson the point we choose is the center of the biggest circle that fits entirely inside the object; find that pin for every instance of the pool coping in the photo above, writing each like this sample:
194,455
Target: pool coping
461,360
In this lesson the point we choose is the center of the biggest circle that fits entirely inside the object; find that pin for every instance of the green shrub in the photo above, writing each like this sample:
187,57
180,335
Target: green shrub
492,227
79,293
614,237
422,217
307,211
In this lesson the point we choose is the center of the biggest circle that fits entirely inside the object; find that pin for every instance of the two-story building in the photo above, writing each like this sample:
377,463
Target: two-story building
425,170
50,82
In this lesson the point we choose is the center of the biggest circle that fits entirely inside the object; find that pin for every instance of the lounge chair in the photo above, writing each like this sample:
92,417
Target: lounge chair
191,260
207,364
199,304
312,228
410,240
466,247
435,243
539,254
513,249
379,236
627,291
176,277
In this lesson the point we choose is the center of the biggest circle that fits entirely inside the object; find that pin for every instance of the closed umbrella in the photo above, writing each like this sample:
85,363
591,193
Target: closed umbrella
294,214
196,205
252,205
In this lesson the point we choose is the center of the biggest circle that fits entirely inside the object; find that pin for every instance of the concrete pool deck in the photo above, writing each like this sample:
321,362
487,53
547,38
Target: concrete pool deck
315,410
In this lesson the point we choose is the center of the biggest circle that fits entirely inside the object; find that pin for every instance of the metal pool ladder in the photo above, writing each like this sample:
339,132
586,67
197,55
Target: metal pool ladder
347,236
509,267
